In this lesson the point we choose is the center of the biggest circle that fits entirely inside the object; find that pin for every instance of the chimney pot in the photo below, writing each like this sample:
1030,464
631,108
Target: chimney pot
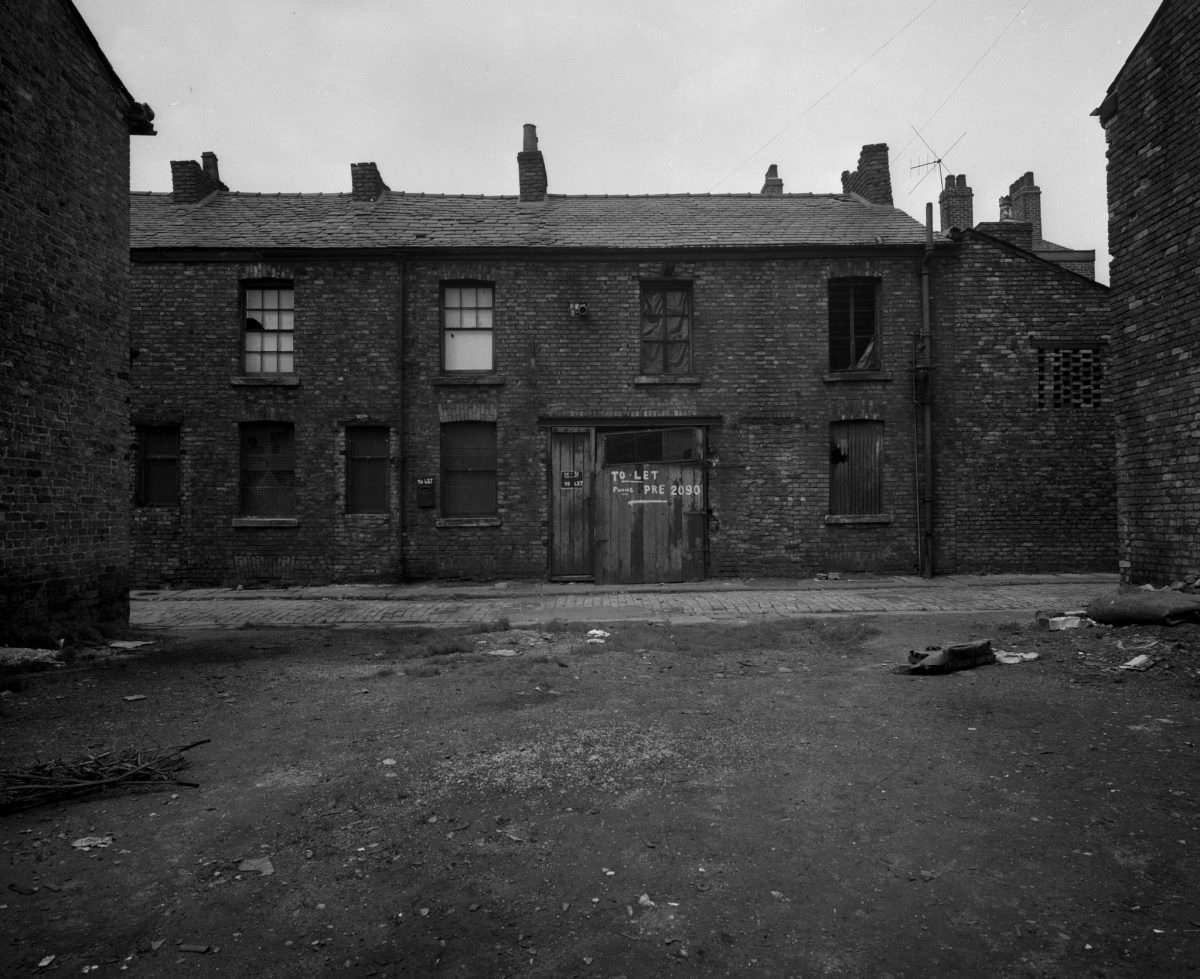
873,178
1027,202
531,168
365,182
191,182
956,204
773,185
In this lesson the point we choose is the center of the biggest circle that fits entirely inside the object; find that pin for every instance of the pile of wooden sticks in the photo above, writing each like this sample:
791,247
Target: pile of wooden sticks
56,781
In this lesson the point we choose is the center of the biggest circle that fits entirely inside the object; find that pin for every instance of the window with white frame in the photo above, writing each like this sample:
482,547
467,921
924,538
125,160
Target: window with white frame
467,328
268,333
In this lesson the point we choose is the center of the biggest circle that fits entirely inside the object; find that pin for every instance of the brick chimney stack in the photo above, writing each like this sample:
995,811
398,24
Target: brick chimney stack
957,204
1027,203
773,186
191,182
365,182
873,178
531,167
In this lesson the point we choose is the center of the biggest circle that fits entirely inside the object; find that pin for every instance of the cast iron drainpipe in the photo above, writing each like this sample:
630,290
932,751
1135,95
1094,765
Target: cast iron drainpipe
926,501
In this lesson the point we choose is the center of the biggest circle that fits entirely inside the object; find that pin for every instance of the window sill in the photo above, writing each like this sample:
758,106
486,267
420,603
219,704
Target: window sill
858,518
666,379
843,377
266,381
381,516
453,522
253,523
467,379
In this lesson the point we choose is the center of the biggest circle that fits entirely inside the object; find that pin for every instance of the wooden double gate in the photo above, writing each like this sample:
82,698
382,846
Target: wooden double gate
628,522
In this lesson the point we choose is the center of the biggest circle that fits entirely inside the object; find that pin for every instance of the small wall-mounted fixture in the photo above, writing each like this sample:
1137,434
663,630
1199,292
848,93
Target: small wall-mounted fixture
578,310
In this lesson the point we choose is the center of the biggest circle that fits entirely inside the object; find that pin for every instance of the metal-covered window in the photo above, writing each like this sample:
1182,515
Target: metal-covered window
856,468
854,325
1069,377
268,470
367,469
666,331
468,469
268,335
157,482
467,326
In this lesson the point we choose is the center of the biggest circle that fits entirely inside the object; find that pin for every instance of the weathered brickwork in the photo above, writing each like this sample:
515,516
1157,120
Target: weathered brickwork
64,350
1024,469
187,371
783,461
1152,122
759,382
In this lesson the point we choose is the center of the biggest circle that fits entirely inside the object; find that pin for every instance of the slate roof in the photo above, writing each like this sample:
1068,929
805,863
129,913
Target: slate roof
399,220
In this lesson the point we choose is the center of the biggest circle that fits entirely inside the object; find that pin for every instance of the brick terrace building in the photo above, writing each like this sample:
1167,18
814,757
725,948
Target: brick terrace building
621,389
65,122
1150,117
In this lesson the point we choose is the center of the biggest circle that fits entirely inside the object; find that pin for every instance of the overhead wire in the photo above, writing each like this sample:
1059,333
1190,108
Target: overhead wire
962,81
838,84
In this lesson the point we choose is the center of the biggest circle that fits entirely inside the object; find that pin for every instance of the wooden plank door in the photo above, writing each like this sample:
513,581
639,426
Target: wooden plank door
650,522
571,504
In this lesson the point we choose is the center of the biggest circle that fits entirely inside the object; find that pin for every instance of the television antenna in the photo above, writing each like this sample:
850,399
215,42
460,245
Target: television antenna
938,161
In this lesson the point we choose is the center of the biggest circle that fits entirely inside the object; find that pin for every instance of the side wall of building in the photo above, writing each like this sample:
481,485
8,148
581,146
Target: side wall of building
1023,415
64,351
1153,132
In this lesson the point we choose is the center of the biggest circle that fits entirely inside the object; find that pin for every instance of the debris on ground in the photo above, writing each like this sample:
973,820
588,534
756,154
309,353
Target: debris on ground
87,843
948,659
1058,621
596,637
55,781
1141,663
1143,607
261,865
1011,657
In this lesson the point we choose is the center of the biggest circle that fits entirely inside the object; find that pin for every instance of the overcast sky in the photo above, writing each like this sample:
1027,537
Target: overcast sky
631,96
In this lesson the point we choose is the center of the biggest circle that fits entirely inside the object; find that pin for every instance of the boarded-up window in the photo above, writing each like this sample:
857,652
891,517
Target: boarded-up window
367,469
856,468
268,484
468,469
157,465
666,328
1069,377
854,325
268,339
467,310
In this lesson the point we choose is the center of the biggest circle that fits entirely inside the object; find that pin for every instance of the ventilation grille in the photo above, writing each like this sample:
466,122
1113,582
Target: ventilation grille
1069,377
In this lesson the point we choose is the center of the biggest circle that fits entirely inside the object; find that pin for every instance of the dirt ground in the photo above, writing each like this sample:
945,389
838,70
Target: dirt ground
769,800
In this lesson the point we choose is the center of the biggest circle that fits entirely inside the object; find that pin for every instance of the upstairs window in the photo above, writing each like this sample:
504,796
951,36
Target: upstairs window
157,465
856,468
666,328
853,325
268,470
468,469
268,335
367,469
1069,377
467,327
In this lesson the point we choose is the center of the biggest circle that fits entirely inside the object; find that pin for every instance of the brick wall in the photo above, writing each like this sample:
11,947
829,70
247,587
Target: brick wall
1022,484
187,334
1153,129
760,358
64,488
